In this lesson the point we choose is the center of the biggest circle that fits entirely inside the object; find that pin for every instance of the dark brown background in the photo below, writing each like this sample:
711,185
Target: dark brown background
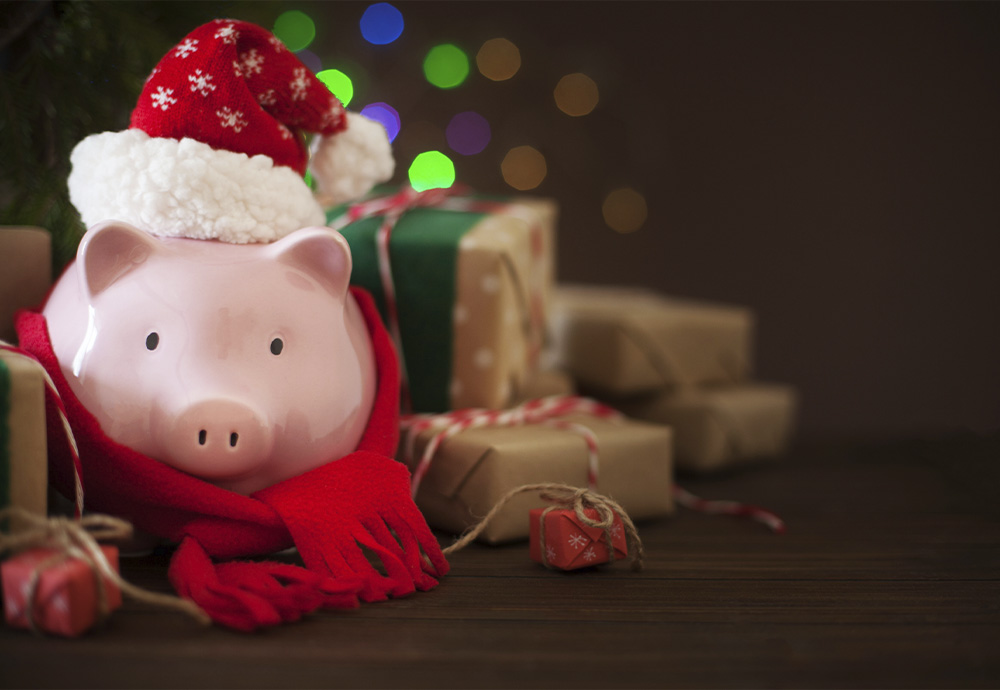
835,166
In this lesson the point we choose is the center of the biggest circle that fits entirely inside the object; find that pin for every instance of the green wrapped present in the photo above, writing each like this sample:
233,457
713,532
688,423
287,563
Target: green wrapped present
471,280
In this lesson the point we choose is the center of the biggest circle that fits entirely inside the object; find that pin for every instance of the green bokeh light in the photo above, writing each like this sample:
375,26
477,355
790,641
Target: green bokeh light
339,84
446,66
431,170
295,29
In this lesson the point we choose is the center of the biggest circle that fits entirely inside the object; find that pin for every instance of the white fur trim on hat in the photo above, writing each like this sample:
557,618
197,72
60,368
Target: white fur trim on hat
186,188
348,164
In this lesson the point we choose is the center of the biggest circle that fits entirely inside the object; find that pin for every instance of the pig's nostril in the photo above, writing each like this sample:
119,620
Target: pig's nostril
233,438
202,436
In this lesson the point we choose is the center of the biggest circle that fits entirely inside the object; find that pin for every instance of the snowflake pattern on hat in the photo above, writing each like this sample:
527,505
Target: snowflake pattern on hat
188,46
230,82
216,149
162,98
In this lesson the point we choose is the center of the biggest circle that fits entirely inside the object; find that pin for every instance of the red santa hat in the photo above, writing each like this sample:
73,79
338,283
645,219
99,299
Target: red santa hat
216,148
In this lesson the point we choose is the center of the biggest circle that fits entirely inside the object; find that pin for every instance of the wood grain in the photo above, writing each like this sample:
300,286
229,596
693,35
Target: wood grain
887,577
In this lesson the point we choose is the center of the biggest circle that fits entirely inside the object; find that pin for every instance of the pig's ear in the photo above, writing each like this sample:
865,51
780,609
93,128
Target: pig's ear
322,253
109,250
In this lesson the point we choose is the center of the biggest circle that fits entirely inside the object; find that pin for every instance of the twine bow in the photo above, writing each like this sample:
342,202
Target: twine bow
563,496
77,539
543,411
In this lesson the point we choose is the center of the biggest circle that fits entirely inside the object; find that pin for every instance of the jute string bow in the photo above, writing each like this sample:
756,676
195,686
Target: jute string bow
563,496
77,539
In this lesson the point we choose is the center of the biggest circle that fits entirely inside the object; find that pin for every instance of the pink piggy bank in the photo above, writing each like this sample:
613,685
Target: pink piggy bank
243,365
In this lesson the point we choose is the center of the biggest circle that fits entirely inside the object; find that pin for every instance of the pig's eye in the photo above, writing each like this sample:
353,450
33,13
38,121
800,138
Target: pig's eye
276,346
152,340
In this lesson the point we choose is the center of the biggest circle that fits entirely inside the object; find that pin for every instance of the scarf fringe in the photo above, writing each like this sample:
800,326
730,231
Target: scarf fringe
246,595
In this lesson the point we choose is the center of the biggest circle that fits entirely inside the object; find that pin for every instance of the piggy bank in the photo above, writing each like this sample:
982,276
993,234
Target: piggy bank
243,365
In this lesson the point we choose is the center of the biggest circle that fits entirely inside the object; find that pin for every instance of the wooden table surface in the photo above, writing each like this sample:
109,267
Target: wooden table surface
887,577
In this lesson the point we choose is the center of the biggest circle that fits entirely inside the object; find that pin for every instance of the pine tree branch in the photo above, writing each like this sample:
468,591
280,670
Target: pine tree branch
20,16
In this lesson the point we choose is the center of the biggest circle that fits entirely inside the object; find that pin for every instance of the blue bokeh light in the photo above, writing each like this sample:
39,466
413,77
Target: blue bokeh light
381,23
386,115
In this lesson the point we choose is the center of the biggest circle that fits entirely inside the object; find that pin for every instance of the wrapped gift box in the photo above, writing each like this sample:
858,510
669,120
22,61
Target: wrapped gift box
543,384
717,427
472,289
473,469
66,598
570,543
25,272
23,454
623,341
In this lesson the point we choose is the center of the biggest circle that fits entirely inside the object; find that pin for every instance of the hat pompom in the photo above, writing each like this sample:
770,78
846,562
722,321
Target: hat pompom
348,164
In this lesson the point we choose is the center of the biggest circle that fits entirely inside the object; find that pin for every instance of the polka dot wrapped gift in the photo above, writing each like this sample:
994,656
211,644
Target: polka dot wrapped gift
463,283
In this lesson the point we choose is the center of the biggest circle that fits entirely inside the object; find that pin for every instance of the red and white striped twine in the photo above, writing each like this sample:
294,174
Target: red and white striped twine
392,208
549,412
392,312
765,517
543,411
67,430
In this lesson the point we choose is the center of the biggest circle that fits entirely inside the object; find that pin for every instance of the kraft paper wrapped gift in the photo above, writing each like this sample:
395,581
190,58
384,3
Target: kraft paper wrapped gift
569,544
25,272
66,597
23,449
623,341
718,427
473,291
473,469
543,384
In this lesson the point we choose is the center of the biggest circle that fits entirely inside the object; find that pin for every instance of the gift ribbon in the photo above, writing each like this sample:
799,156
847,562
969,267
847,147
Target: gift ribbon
77,539
734,508
53,395
391,208
548,411
543,411
563,496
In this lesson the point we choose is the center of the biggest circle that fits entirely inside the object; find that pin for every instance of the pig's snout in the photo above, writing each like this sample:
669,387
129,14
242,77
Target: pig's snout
219,439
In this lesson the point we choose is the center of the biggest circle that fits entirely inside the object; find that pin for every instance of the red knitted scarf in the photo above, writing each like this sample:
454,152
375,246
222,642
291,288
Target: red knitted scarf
332,514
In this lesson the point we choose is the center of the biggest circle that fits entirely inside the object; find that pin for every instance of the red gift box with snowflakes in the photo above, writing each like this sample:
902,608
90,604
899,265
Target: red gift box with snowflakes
571,544
66,596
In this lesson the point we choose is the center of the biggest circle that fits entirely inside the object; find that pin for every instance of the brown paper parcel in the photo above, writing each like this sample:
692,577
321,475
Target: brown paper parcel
25,459
25,272
542,384
623,341
720,427
473,469
504,283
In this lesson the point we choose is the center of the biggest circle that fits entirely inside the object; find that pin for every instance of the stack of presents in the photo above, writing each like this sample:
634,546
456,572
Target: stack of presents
481,323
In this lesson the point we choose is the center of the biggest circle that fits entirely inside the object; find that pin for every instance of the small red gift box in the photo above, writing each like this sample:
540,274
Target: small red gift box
570,544
66,595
